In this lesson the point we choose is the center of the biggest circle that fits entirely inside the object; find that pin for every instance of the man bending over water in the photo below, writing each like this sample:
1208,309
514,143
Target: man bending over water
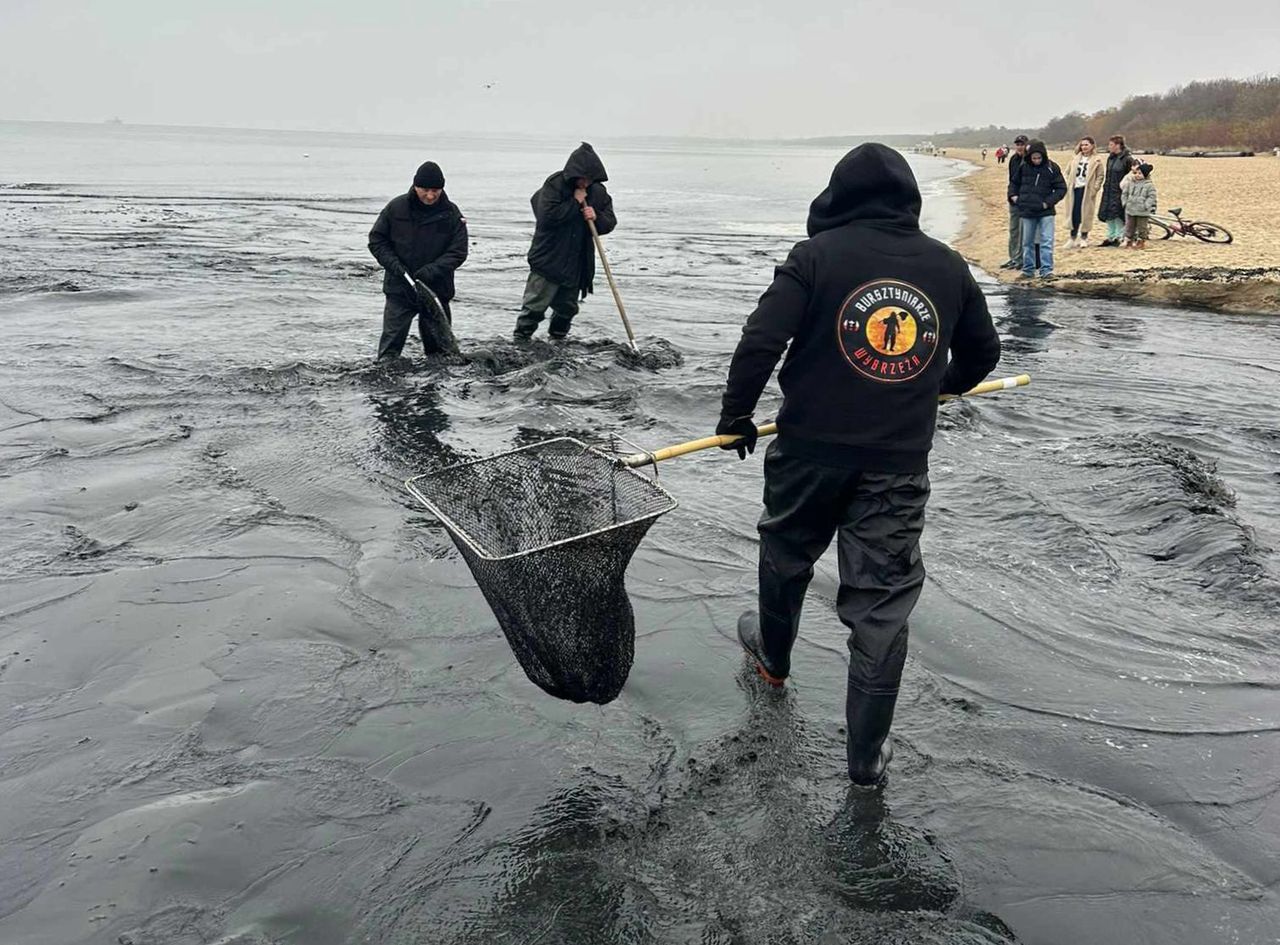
421,233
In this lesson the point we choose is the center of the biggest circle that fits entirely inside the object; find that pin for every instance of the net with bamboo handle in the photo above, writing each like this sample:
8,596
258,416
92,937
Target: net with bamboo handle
548,531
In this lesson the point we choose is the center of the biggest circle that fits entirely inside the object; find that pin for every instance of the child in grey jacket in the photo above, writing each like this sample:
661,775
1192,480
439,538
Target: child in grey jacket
1139,205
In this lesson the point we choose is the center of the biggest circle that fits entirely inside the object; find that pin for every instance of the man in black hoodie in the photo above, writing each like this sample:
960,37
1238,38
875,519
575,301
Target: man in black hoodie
421,233
1035,191
562,255
856,424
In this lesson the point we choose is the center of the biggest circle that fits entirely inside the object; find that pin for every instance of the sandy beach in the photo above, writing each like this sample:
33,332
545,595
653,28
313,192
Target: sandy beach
1241,194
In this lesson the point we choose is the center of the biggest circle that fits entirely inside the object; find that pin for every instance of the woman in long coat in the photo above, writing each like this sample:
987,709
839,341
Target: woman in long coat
1085,173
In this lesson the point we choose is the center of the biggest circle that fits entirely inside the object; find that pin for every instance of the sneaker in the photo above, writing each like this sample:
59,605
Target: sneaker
1083,242
1008,264
1025,276
749,637
520,337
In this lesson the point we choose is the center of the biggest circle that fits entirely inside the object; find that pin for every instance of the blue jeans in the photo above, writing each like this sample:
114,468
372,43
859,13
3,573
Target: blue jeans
1037,231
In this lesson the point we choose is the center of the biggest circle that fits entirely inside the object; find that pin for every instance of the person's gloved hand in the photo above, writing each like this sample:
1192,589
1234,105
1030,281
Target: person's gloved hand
739,426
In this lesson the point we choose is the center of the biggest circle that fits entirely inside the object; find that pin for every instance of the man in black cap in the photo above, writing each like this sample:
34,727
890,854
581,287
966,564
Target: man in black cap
856,425
1015,220
421,234
562,255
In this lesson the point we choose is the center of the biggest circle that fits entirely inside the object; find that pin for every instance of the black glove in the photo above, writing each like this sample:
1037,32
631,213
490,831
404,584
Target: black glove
739,426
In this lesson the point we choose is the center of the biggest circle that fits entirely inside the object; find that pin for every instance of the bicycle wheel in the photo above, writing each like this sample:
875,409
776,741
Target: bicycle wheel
1159,230
1209,232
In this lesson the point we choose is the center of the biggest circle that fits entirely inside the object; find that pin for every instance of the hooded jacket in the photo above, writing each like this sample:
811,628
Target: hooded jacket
871,307
1140,198
562,250
1037,187
1112,204
429,243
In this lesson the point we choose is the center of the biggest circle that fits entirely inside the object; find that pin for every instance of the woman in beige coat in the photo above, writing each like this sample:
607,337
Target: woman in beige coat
1085,173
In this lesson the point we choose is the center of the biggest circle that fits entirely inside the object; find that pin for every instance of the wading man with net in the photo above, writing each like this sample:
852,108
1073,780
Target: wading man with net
562,255
856,424
419,239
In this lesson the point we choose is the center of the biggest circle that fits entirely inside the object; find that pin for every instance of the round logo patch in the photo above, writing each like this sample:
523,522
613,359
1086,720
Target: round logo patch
888,330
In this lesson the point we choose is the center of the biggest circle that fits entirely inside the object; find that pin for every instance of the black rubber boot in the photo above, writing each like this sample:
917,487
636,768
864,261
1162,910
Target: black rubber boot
749,637
868,748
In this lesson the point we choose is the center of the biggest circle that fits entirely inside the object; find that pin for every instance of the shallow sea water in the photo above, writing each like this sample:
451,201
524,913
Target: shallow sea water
249,692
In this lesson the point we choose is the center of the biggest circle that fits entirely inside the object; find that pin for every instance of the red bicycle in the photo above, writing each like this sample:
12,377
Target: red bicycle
1164,227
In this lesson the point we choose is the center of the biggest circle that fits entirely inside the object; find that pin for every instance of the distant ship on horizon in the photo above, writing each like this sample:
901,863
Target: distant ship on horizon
114,121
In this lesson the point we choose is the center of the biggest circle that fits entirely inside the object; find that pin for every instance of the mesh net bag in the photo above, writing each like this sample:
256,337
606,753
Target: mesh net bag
548,531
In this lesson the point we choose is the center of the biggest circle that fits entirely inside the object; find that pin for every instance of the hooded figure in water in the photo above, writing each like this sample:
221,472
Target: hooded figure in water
562,257
860,402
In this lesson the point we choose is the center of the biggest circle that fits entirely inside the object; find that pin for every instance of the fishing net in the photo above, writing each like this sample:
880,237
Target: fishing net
548,531
437,332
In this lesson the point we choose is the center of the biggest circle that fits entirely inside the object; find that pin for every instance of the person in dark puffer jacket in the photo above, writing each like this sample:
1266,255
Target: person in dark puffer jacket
877,319
1035,191
423,234
1111,207
562,255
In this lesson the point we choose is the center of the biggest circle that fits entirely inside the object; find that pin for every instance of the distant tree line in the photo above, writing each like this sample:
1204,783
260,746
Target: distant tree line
1218,113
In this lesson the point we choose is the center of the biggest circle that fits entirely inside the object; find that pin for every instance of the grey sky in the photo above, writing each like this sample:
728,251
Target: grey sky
704,67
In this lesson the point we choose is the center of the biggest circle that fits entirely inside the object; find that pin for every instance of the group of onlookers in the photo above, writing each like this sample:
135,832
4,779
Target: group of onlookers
1117,187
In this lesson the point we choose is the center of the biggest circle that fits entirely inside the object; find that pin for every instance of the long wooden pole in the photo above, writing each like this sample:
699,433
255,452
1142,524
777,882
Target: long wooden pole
769,429
608,273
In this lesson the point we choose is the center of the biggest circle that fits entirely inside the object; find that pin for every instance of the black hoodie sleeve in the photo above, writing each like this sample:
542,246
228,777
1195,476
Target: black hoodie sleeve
1059,185
975,346
769,328
380,244
599,200
551,207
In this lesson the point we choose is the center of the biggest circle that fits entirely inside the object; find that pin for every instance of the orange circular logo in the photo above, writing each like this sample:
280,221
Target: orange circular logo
888,330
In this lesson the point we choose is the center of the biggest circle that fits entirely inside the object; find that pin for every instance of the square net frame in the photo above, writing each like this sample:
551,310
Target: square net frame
548,531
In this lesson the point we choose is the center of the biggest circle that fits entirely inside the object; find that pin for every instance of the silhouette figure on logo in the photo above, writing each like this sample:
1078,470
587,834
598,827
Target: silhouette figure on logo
891,323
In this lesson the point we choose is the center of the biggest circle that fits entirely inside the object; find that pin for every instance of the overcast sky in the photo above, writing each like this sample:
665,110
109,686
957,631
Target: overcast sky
701,67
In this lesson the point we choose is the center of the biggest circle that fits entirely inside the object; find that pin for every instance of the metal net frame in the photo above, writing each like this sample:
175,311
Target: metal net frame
548,531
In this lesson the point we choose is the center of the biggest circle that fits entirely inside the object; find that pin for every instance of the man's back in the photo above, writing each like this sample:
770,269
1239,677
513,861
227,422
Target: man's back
847,390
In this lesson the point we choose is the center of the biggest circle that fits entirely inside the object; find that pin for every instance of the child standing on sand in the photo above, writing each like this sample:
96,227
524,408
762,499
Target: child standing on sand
1139,205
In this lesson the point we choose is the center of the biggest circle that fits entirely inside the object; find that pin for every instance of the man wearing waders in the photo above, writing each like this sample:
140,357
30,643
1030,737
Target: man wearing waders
856,424
424,234
562,256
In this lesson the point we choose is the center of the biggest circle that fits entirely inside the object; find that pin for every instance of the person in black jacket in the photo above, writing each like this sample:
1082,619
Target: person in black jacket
1111,206
421,233
1015,222
856,425
1034,191
562,255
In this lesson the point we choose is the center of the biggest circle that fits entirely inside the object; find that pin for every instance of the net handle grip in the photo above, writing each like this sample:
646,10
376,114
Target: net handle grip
636,460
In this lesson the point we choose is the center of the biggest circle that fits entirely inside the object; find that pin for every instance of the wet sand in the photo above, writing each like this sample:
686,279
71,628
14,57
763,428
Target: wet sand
1242,194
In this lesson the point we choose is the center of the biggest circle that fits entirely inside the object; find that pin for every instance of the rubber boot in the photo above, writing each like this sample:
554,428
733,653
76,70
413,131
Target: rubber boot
558,330
749,637
868,748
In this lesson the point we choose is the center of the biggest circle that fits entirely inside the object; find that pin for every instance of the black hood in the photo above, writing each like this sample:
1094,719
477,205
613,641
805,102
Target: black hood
873,183
1035,146
584,162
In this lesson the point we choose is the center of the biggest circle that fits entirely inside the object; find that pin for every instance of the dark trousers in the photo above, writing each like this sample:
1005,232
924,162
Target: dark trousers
877,519
540,293
397,318
1077,201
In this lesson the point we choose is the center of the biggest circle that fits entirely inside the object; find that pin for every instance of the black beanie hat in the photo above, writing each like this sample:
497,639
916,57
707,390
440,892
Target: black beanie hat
429,176
1146,169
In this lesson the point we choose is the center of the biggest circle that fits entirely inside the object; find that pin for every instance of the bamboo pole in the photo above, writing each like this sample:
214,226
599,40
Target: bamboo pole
769,429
